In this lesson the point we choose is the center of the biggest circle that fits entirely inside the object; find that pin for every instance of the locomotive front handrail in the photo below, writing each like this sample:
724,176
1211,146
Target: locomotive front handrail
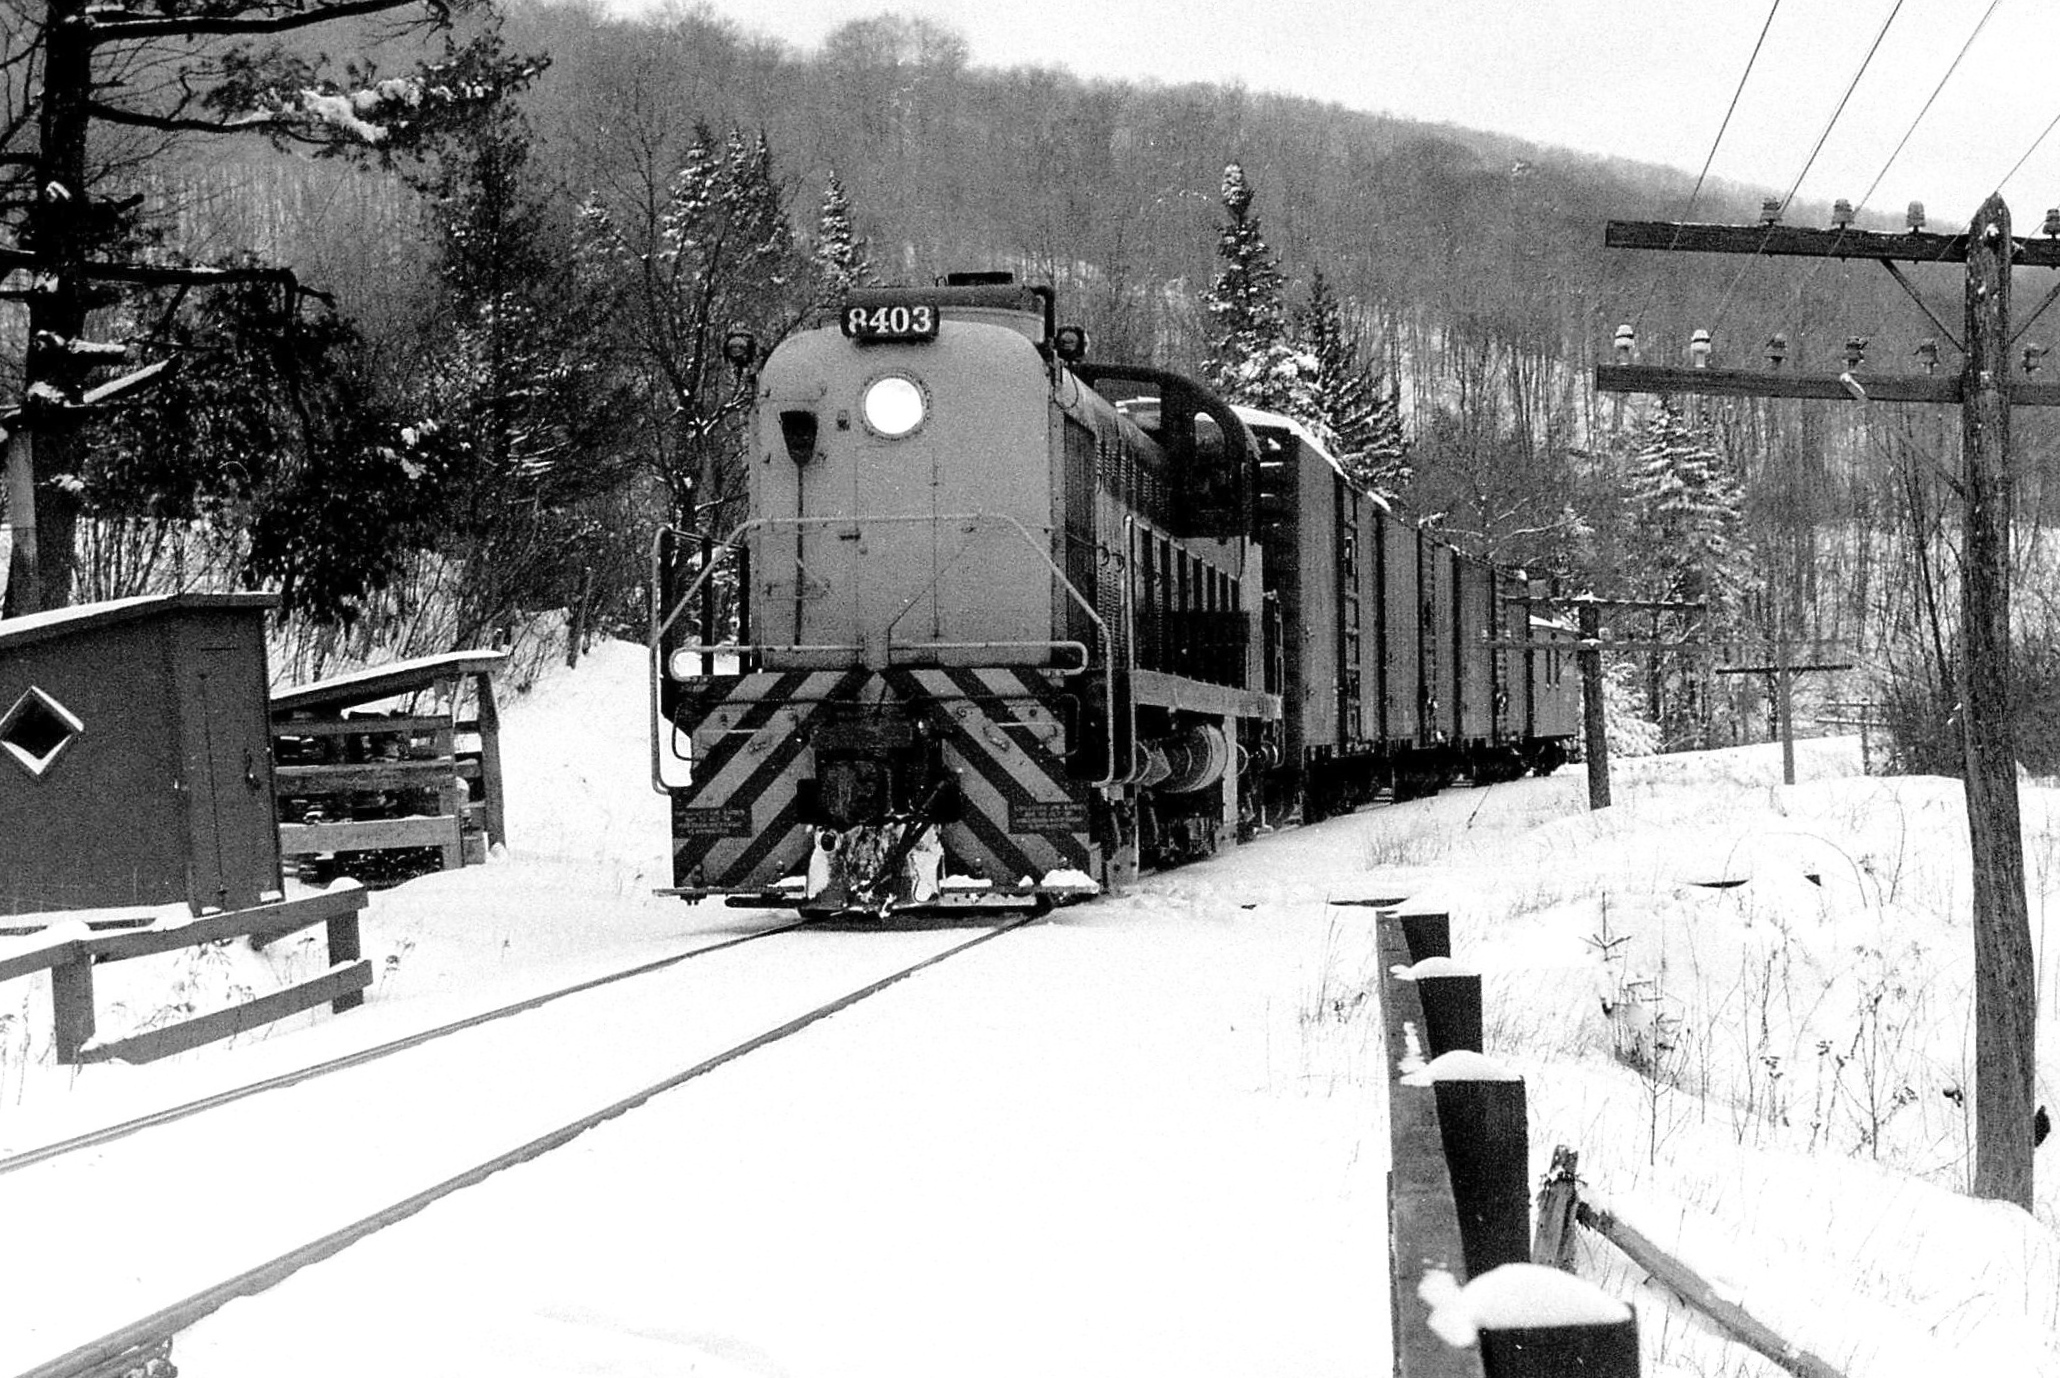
662,619
661,623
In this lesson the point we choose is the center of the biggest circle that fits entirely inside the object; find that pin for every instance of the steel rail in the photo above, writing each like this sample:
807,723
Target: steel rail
169,1320
109,1133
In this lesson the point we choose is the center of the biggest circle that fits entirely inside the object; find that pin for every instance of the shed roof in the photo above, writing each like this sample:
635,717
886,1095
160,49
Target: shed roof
39,626
381,682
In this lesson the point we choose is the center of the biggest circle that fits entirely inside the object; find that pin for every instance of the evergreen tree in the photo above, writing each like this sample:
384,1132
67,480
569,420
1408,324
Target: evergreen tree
1251,359
1685,514
273,448
1355,412
507,372
840,257
1682,547
96,88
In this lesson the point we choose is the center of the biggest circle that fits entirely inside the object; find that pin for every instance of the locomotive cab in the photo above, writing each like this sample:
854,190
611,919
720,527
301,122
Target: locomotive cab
1203,440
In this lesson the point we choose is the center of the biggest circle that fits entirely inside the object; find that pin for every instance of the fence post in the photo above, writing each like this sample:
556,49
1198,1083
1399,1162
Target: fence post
1553,1244
1481,1118
1452,1010
71,1006
344,947
1423,1228
1428,935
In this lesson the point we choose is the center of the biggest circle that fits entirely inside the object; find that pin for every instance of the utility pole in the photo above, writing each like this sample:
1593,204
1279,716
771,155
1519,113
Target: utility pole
1594,724
1782,673
1588,651
2005,1002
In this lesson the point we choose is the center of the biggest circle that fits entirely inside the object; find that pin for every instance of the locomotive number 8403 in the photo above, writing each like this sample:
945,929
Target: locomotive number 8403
1014,624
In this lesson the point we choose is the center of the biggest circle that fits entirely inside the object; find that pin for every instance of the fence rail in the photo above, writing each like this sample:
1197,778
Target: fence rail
70,962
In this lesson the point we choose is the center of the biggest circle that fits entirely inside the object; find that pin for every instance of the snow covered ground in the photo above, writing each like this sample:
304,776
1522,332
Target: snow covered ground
1144,1136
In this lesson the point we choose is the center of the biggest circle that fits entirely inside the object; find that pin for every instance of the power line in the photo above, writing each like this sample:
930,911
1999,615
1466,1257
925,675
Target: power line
1854,85
1868,195
1729,111
1829,125
1954,67
2028,152
1732,108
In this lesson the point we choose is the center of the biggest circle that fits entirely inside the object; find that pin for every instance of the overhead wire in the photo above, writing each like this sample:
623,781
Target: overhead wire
1953,67
1822,138
2055,121
1903,142
1700,177
1851,86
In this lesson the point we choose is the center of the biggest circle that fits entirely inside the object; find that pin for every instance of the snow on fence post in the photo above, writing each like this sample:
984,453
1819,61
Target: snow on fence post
1482,1120
1531,1321
1450,993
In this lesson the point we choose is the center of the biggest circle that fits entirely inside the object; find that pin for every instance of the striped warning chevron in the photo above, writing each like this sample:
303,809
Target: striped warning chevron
738,824
1003,734
735,825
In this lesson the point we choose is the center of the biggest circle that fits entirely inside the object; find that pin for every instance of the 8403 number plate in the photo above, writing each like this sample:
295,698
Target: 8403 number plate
907,321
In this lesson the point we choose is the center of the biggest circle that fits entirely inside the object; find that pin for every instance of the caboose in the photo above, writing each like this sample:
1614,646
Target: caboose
1011,624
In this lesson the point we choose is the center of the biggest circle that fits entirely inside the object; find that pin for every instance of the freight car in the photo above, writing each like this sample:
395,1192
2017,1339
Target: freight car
1011,625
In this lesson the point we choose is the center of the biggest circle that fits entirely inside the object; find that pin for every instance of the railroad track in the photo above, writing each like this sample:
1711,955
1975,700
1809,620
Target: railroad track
128,1346
109,1133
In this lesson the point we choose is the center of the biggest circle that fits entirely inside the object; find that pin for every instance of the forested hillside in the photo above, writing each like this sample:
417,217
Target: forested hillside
534,298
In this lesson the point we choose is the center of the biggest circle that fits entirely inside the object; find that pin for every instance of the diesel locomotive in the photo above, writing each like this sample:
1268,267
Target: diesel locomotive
1011,624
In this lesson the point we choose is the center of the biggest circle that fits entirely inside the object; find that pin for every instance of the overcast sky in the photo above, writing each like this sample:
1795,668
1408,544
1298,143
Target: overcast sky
1642,79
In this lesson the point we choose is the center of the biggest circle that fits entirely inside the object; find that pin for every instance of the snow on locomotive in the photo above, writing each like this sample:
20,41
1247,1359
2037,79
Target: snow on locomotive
1014,625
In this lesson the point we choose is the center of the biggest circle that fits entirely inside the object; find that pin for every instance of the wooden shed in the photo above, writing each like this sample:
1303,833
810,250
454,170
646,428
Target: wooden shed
135,756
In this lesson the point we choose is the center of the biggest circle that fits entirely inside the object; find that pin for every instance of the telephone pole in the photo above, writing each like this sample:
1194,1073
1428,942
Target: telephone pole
2005,982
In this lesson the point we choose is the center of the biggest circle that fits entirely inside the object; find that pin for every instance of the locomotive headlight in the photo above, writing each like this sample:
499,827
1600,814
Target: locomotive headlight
894,406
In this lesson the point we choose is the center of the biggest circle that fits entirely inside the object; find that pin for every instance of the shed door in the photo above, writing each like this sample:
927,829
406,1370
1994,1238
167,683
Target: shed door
235,846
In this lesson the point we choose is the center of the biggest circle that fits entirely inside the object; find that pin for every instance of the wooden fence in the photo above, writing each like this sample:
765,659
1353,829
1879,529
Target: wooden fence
1459,1235
70,963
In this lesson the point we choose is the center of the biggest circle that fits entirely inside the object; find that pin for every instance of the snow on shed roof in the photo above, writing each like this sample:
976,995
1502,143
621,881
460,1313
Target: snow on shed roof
37,626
